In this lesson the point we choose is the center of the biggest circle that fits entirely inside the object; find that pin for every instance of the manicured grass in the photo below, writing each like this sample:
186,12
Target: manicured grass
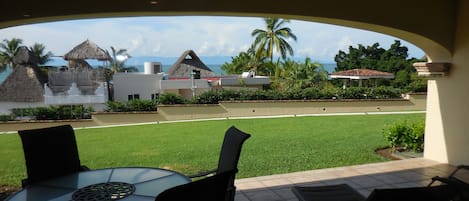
277,145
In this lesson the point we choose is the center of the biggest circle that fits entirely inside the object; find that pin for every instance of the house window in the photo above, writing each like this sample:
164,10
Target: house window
133,97
196,74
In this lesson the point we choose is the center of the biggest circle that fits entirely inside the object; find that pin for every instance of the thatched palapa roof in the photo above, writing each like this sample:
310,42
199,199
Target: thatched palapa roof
24,84
87,50
189,60
24,57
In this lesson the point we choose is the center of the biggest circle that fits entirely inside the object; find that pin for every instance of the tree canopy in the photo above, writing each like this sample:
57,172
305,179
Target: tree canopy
394,60
274,37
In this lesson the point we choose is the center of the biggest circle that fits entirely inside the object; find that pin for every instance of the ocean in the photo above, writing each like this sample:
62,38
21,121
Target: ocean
214,63
216,68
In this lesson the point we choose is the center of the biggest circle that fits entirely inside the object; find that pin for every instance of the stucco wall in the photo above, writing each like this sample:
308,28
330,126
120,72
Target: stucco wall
249,108
447,130
131,83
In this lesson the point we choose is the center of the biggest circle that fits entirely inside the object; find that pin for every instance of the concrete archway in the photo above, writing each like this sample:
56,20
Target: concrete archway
439,27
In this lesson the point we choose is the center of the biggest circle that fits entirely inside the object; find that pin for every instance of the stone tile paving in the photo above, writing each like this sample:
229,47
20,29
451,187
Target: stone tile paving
363,178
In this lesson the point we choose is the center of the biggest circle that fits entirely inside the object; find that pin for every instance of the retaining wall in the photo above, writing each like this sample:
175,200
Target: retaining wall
414,102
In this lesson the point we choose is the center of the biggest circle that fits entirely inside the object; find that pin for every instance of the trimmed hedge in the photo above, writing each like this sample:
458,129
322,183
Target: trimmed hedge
54,112
130,106
213,97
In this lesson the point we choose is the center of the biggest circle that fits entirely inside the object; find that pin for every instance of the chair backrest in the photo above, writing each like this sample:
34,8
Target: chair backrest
49,152
213,188
231,149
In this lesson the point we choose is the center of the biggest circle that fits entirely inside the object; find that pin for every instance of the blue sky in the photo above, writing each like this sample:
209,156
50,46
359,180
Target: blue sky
207,36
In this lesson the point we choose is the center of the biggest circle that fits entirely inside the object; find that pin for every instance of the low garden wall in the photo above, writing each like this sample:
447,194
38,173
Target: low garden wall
228,109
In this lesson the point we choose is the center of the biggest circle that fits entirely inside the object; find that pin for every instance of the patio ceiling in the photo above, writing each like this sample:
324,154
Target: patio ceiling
429,25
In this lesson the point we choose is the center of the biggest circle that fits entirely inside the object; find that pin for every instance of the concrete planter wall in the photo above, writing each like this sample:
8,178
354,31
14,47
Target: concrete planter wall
414,102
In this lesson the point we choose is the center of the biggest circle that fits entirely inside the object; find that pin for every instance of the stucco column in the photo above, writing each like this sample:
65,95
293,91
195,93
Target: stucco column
447,119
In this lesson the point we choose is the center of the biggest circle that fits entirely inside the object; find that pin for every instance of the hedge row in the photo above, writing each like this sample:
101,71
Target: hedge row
53,112
213,97
130,106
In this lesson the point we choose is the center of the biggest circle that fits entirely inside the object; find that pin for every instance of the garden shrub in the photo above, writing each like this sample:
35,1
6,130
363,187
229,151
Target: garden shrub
115,106
409,136
352,93
384,92
141,105
213,97
131,106
6,118
61,112
170,99
209,97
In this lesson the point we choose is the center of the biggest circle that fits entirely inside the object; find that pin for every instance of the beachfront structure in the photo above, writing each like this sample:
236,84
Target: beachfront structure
189,63
24,87
439,27
188,77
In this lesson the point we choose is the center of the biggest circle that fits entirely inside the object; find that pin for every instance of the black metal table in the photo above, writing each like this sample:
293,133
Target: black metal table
126,184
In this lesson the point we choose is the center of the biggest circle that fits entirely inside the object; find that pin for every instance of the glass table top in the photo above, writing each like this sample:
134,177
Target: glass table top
148,183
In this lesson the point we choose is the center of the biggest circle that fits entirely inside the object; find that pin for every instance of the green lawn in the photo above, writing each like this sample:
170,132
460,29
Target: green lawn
277,145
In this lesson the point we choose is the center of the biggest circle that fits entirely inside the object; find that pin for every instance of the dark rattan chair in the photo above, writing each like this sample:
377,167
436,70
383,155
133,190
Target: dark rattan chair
212,188
50,152
229,157
452,189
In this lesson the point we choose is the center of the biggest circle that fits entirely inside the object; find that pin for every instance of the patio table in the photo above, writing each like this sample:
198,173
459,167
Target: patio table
126,184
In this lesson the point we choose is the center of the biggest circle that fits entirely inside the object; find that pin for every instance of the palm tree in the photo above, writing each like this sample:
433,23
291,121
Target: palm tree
8,49
116,64
274,37
38,50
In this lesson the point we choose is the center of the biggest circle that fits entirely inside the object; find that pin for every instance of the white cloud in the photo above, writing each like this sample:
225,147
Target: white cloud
208,36
344,43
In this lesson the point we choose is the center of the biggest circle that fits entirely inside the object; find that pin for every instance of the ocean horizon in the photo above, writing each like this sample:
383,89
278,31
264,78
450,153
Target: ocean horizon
213,62
216,68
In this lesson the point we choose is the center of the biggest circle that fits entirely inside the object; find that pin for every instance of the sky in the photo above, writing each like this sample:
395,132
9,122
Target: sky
206,35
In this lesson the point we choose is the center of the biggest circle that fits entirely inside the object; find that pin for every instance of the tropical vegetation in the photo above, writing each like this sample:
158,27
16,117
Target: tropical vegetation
117,60
130,106
60,112
288,74
406,135
8,49
394,60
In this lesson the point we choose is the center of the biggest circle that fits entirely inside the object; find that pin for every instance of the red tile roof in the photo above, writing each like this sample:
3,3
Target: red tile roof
365,73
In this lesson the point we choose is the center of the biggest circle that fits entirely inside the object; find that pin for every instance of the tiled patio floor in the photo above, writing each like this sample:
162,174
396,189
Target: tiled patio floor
364,178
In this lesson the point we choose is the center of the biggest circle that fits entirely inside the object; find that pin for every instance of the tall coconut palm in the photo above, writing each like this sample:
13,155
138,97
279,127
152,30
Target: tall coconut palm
274,37
116,64
8,49
38,50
